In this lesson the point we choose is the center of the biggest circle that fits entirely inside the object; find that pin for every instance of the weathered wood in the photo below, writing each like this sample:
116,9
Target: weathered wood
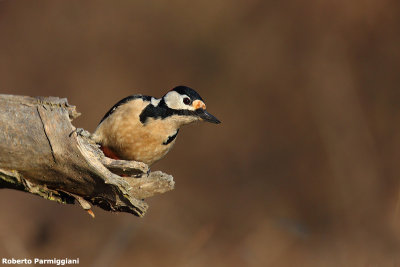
41,152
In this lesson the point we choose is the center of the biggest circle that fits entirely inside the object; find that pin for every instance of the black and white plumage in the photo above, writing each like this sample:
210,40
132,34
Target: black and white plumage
144,128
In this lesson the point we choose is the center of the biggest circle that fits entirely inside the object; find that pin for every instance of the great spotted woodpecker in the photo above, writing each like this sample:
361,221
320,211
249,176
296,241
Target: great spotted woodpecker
144,128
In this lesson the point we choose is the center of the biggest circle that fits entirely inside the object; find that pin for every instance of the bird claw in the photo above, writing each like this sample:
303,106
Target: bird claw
140,175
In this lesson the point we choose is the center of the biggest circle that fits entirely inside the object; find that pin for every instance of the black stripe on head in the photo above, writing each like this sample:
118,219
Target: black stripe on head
162,111
184,90
124,101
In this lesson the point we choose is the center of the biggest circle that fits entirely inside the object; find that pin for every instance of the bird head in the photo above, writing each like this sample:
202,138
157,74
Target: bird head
187,103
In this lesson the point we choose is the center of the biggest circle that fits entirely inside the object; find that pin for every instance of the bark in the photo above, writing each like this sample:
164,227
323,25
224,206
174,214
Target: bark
42,153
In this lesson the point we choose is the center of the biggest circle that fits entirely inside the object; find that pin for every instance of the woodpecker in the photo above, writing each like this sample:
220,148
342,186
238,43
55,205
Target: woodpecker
144,128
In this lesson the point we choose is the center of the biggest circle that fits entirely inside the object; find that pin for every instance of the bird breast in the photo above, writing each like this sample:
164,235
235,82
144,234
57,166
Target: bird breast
124,134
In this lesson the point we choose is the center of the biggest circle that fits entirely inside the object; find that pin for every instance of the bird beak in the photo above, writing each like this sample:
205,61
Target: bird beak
204,115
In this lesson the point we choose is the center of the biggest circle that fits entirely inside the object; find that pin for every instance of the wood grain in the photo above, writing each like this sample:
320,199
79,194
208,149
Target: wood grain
42,153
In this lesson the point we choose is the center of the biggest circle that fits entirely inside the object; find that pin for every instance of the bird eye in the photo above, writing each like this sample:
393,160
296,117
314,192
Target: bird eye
187,101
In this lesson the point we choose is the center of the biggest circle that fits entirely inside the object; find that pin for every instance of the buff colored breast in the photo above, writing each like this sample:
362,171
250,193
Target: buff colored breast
129,139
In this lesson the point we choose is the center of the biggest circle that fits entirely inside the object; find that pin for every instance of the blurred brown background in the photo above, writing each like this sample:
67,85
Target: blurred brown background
304,169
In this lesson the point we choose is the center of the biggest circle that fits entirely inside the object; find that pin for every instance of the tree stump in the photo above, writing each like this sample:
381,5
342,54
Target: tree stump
42,153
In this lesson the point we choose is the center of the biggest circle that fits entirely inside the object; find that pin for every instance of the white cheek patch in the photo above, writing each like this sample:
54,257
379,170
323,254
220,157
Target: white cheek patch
175,101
